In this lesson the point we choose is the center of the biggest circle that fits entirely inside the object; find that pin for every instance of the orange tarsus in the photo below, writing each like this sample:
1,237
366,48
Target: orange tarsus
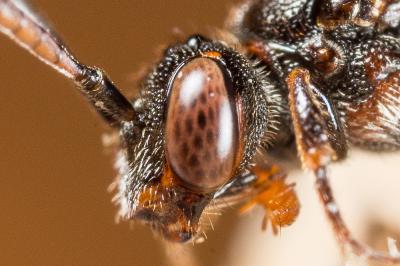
278,199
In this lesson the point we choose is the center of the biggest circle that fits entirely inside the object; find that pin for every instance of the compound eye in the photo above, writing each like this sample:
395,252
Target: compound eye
202,125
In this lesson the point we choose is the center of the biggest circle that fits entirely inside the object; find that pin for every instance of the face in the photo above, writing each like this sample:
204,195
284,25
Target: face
198,127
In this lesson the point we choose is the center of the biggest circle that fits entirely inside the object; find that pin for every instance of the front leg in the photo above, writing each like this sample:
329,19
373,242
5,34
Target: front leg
263,186
320,140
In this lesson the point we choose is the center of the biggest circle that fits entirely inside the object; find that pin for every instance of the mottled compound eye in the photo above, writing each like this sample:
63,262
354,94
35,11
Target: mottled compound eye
202,125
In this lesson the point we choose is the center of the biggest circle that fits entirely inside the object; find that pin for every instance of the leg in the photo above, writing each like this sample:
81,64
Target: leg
32,33
319,142
266,187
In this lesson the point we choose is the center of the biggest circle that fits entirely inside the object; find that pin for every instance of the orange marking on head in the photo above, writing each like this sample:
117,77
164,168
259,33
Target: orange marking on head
167,179
212,54
152,195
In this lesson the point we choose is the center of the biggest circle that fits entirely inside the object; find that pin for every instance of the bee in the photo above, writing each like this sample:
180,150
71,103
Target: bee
323,74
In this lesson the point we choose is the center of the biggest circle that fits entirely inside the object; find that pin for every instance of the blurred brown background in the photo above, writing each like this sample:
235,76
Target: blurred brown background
54,172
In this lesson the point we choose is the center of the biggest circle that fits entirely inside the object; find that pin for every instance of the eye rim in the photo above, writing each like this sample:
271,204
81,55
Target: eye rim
235,103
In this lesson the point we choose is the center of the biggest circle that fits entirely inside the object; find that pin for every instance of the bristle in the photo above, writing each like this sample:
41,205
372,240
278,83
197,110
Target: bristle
275,104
